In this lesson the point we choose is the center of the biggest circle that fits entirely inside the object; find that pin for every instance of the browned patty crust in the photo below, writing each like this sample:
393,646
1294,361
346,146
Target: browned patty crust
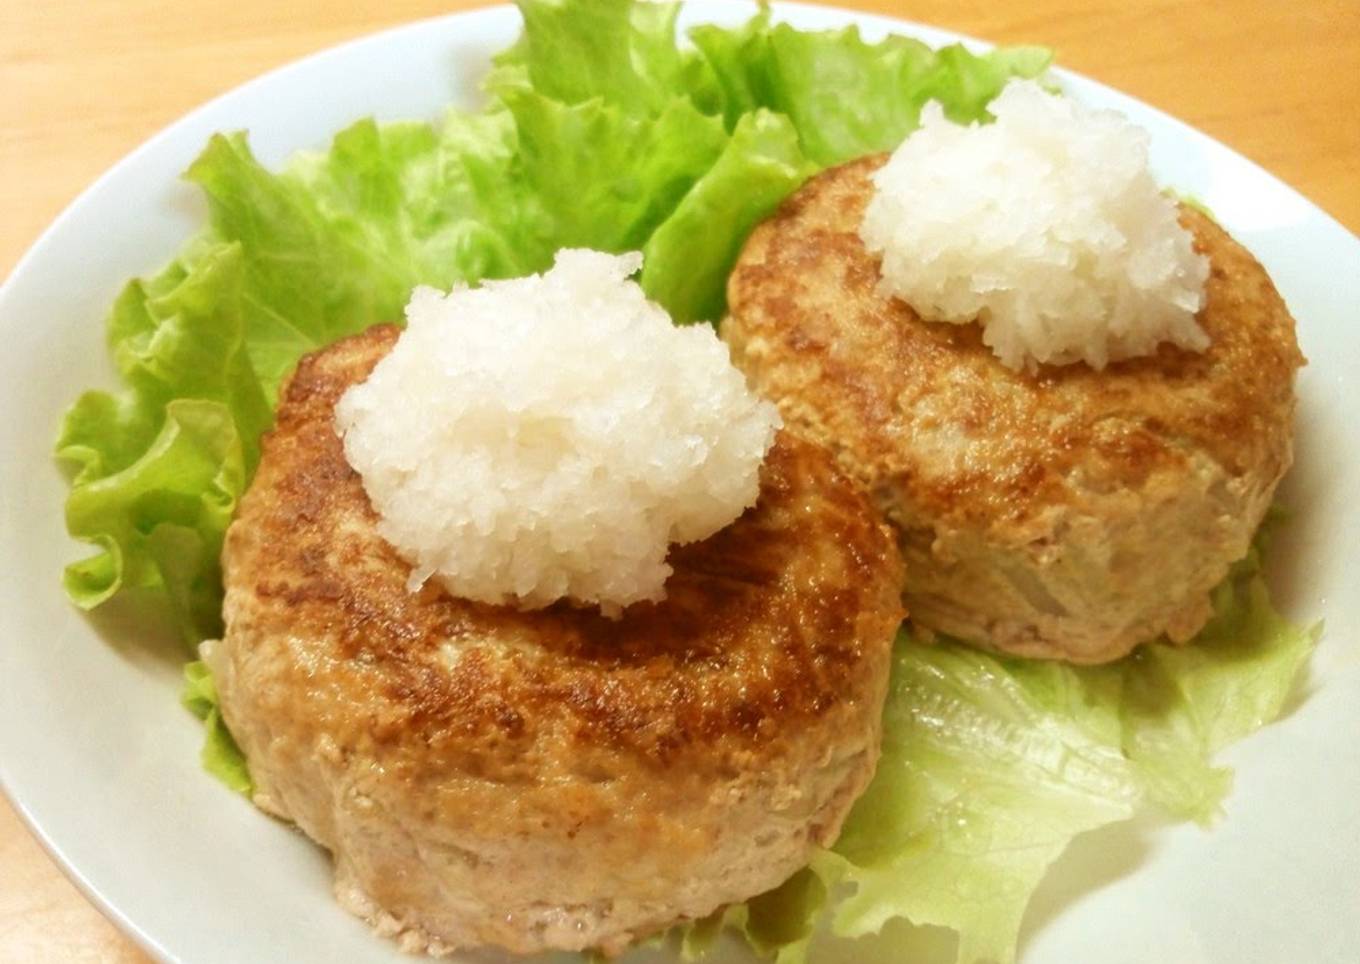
1164,461
550,778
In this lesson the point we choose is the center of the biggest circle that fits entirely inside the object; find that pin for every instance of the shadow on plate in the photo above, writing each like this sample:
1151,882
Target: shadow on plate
1093,861
137,626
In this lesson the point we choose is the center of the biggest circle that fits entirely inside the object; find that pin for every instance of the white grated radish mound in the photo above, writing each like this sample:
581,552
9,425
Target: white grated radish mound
1045,226
551,436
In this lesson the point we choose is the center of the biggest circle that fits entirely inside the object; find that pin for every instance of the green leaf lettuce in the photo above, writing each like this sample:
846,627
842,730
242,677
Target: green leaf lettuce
991,766
601,131
220,756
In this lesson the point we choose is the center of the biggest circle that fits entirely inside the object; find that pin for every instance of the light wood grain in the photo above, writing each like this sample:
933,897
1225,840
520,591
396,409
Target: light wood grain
82,83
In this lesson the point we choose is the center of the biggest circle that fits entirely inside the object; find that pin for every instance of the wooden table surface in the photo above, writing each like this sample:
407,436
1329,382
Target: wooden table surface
81,84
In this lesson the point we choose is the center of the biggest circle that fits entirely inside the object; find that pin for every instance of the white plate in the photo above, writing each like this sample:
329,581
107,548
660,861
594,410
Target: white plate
103,764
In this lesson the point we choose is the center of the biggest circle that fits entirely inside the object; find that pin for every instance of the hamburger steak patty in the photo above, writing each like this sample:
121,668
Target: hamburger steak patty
1068,513
550,779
